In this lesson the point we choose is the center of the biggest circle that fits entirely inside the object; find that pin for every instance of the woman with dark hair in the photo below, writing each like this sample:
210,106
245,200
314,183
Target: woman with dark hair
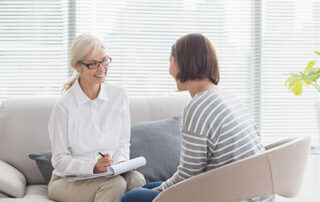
216,128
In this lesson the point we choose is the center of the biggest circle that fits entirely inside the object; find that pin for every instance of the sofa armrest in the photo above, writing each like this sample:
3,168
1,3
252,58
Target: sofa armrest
12,181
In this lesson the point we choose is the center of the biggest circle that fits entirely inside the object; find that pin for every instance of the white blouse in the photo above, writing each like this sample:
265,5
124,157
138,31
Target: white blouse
79,128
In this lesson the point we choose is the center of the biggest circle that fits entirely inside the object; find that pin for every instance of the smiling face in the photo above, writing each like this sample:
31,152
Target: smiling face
92,76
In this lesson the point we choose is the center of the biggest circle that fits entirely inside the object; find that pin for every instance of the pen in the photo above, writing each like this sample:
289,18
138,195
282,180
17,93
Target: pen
101,154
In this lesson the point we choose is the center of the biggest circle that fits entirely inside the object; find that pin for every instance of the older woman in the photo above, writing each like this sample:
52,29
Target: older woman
91,117
216,127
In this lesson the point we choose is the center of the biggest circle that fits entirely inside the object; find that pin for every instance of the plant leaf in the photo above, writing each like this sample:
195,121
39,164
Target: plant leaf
311,77
316,52
294,83
309,67
297,88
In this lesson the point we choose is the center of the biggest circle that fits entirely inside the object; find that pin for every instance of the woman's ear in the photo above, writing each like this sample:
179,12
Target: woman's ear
76,67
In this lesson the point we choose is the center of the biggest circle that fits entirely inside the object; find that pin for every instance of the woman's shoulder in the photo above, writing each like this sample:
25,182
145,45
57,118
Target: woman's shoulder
207,101
64,101
209,96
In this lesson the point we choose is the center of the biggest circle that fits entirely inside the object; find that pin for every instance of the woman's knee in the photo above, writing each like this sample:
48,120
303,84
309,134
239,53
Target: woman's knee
54,187
140,195
134,179
117,185
111,190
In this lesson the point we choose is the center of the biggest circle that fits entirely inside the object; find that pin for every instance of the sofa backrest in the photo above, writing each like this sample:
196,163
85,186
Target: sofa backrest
24,121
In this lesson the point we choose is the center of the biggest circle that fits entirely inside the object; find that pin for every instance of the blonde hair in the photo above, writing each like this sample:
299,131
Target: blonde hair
81,46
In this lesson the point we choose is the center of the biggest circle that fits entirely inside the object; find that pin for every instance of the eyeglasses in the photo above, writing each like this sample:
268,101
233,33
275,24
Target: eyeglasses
105,62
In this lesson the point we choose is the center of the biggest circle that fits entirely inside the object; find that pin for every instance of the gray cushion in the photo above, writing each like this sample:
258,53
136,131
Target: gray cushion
160,143
43,160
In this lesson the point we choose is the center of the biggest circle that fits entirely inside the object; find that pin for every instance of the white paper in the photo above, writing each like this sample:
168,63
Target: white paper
115,169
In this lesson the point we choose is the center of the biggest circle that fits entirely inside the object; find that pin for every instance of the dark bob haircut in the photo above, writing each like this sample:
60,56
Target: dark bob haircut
195,58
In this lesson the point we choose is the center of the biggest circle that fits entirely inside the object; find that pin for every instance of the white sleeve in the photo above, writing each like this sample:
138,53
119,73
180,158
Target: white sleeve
62,160
123,151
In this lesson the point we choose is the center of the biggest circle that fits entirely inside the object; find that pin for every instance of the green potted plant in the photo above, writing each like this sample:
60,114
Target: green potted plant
296,81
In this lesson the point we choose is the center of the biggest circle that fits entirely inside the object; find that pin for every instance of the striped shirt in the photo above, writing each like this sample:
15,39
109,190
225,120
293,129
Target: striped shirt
216,130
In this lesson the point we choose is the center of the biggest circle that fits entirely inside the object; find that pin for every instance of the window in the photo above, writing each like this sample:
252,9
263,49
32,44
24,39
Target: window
258,44
290,35
33,47
139,35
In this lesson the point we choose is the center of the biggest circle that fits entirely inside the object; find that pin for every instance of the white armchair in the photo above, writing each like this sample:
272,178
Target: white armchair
279,170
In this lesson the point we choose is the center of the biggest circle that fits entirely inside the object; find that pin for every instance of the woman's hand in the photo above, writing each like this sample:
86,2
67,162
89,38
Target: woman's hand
140,188
157,189
102,164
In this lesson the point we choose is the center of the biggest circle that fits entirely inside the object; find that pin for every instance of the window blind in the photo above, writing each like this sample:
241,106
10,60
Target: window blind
258,43
139,35
290,35
34,37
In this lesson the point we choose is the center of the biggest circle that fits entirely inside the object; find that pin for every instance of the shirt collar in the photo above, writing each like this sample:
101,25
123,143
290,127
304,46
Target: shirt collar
103,94
82,98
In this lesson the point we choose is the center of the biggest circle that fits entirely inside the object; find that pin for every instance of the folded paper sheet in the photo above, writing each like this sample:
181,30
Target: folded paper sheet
116,169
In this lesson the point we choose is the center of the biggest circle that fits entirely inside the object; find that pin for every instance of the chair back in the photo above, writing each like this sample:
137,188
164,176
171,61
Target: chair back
278,170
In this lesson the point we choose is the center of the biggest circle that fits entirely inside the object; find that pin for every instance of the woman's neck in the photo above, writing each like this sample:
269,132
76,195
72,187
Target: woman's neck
91,91
198,86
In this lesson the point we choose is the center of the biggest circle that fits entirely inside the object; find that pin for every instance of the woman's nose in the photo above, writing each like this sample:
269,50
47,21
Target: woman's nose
100,67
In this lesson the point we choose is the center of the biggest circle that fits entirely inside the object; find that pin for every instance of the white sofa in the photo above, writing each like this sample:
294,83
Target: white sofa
23,129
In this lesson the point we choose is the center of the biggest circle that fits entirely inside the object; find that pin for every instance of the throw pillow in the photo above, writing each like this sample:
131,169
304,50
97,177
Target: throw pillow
13,182
2,195
160,143
43,160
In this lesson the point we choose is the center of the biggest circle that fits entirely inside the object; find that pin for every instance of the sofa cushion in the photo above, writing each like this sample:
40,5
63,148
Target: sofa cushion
34,193
37,193
13,182
160,143
43,160
2,195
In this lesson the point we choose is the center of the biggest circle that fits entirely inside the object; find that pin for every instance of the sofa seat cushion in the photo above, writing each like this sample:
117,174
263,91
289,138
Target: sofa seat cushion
37,193
34,193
